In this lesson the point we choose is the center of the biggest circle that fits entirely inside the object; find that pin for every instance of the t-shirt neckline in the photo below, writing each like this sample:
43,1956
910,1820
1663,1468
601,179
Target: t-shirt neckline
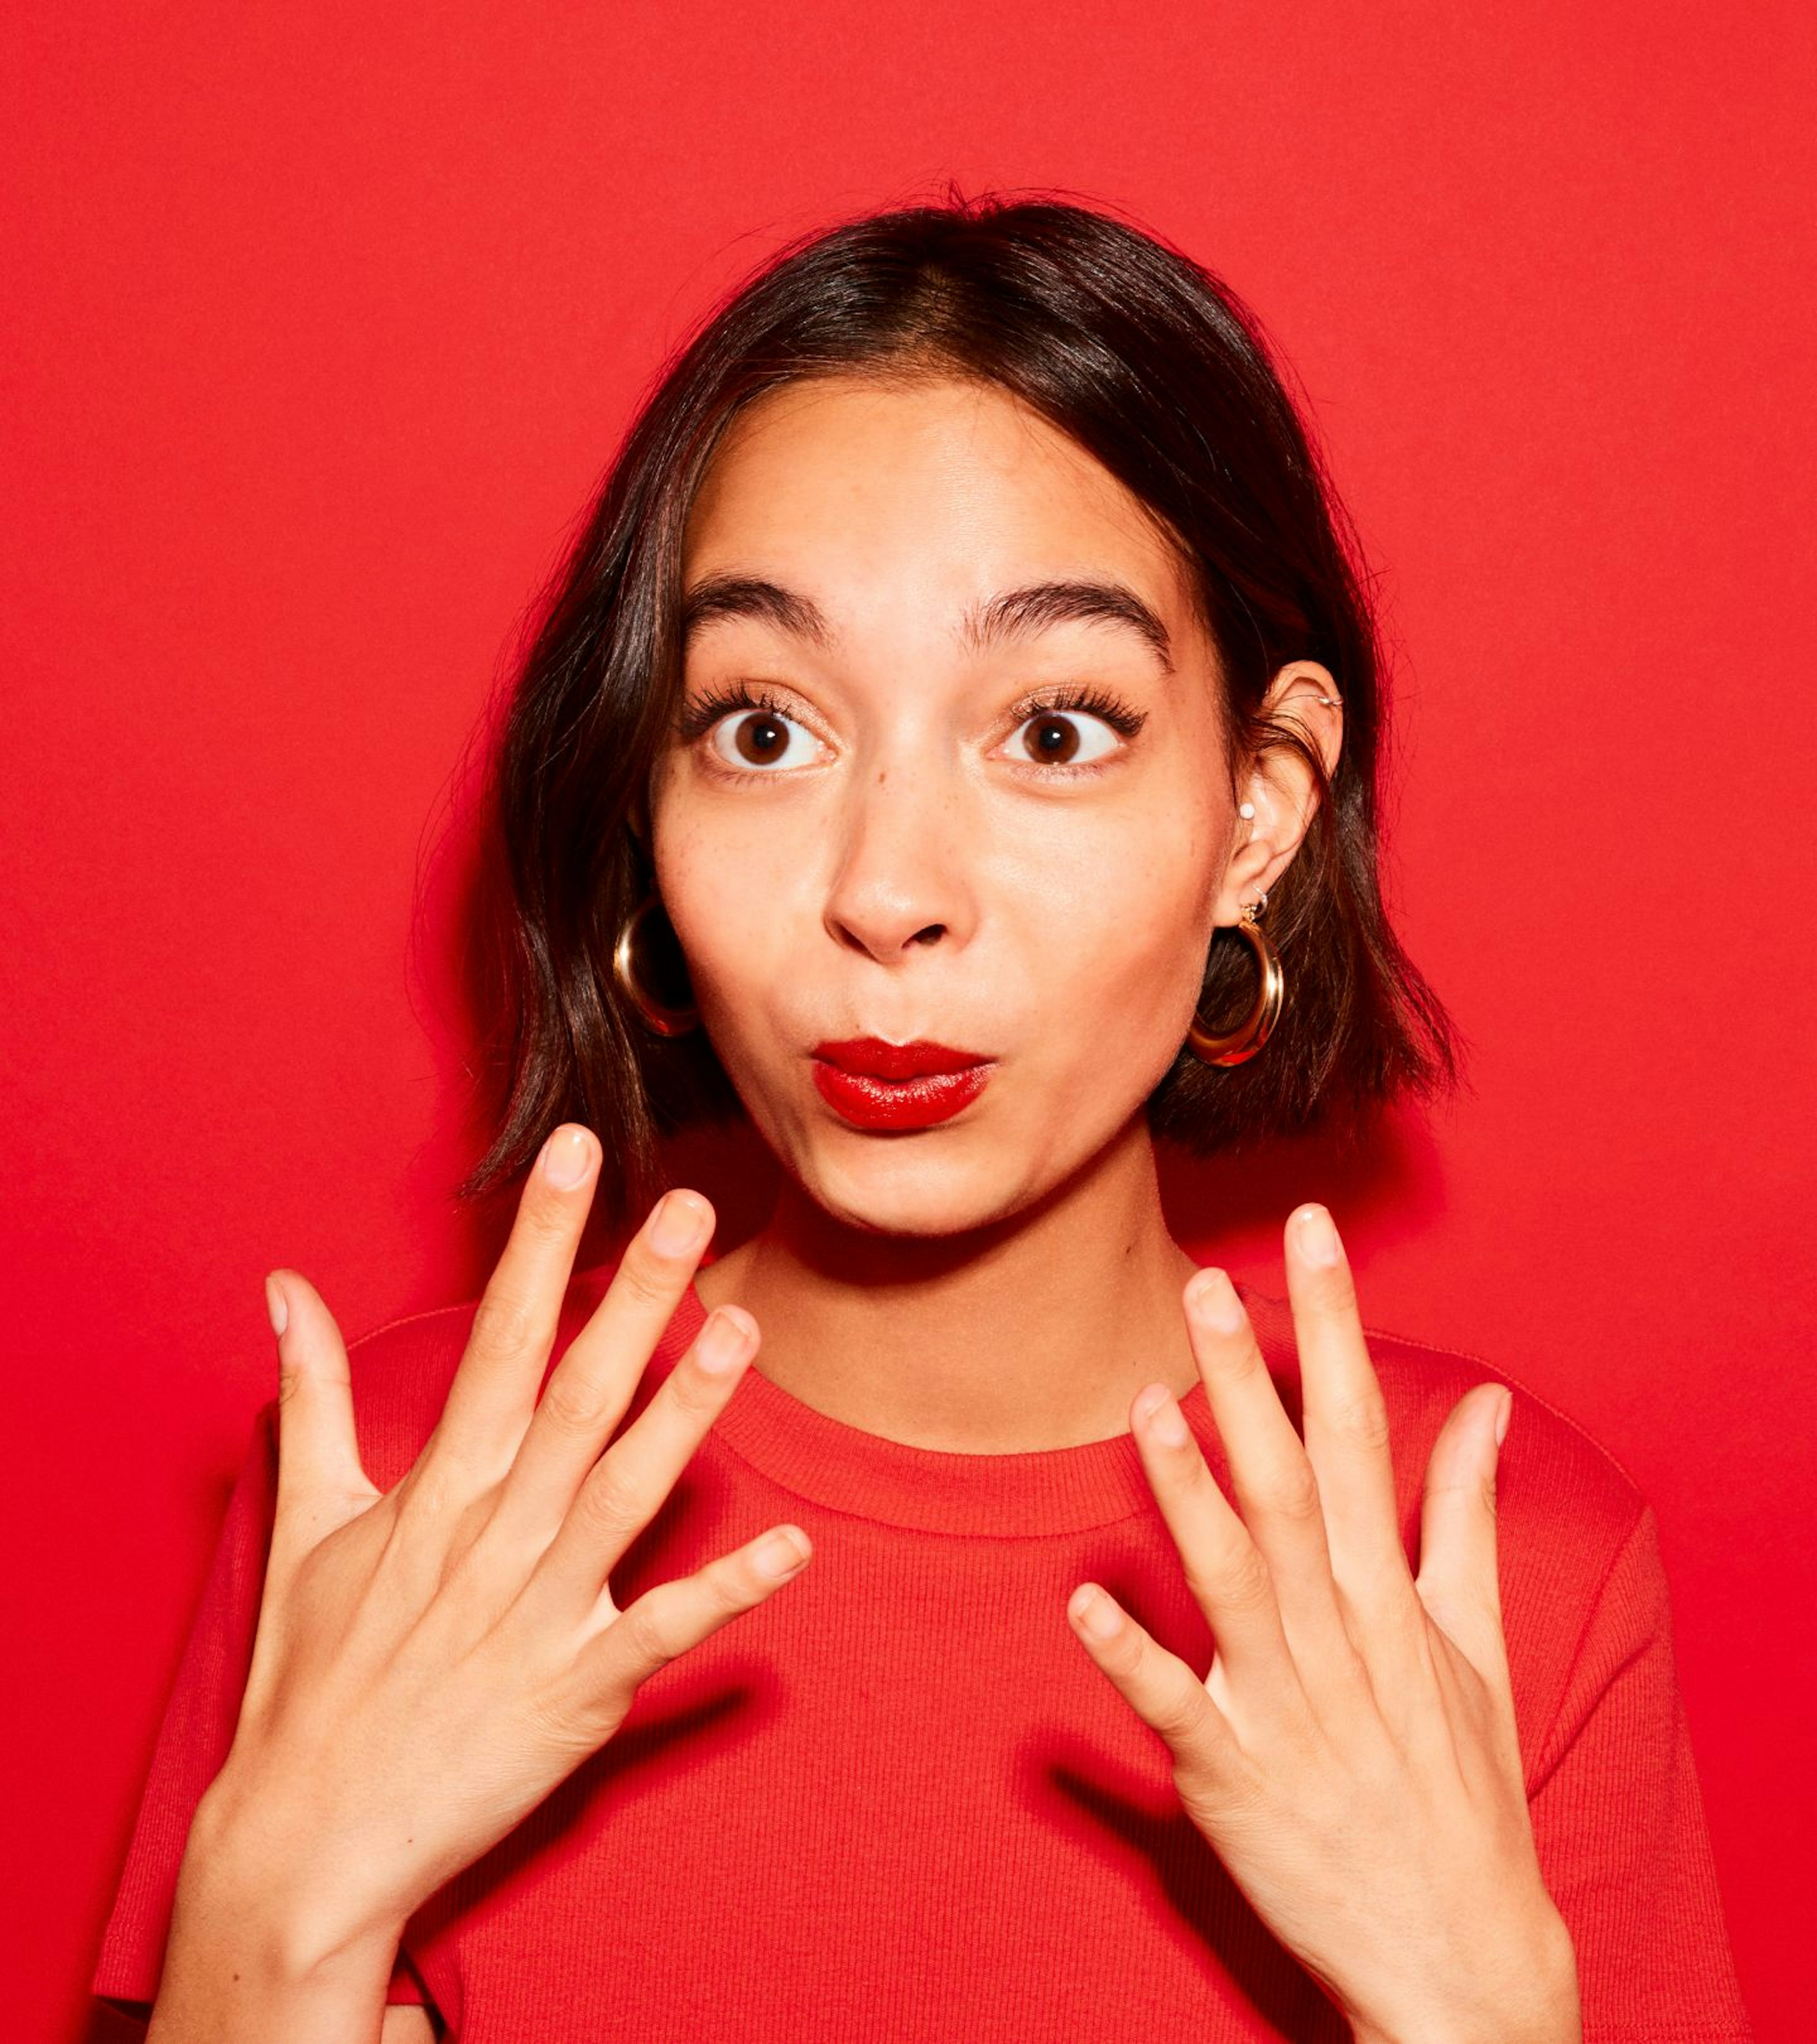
842,1468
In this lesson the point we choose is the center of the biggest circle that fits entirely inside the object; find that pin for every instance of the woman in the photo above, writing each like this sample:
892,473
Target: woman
964,660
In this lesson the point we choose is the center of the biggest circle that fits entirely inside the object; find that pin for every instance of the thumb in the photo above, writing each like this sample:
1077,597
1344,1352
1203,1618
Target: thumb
320,1482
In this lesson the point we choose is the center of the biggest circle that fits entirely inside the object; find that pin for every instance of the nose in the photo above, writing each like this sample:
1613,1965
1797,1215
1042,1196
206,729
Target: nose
901,880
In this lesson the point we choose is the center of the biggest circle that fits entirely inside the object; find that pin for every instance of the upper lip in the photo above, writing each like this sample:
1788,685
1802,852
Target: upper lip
870,1054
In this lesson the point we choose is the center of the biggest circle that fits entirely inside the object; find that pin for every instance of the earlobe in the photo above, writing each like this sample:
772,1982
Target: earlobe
1253,870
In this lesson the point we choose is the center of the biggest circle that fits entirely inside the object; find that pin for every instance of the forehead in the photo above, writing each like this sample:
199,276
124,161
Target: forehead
951,487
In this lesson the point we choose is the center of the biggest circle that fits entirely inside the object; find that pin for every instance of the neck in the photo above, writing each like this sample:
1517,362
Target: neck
1034,1332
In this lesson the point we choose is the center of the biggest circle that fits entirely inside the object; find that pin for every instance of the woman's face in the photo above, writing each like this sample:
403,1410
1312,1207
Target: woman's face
899,845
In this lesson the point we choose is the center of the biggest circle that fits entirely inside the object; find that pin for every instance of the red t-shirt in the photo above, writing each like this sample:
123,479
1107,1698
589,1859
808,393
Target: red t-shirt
897,1800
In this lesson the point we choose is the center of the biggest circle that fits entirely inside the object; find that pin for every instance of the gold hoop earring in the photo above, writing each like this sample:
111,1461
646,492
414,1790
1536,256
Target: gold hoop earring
1242,1042
664,1020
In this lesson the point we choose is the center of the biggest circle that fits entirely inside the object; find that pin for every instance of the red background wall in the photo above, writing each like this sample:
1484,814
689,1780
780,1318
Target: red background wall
321,323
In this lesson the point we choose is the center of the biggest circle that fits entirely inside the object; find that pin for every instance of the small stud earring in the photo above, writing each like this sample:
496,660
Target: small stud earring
1246,809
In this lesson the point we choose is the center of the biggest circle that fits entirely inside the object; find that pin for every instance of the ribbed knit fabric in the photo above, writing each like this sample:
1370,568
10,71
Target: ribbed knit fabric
897,1804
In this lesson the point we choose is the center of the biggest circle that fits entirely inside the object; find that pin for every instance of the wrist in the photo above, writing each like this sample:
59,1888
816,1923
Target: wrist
1536,2002
276,1894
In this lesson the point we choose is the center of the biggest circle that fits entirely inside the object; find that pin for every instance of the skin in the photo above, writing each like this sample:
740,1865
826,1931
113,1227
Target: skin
430,1662
919,874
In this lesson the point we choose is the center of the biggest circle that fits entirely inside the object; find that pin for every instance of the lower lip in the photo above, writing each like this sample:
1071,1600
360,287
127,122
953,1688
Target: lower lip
874,1103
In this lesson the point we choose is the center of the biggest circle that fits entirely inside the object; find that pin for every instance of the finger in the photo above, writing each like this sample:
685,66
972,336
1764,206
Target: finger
670,1617
628,1485
1277,1488
590,1389
495,1390
1459,1582
320,1482
1158,1685
1224,1570
1346,1421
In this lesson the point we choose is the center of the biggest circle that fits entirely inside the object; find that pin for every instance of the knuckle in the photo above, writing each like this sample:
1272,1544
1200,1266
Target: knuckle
1179,1713
1196,1483
695,1395
643,1633
426,1494
1336,1288
645,1279
1246,1365
1363,1419
454,1466
1243,1585
572,1408
548,1217
734,1583
609,1504
504,1322
1294,1495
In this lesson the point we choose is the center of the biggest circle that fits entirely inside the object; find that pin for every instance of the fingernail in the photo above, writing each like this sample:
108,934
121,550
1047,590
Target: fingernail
782,1554
277,1306
722,1342
1318,1237
1503,1417
567,1157
681,1222
1099,1615
1213,1298
1156,1411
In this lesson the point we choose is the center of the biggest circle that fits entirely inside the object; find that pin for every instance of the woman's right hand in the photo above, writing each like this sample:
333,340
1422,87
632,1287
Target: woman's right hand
431,1661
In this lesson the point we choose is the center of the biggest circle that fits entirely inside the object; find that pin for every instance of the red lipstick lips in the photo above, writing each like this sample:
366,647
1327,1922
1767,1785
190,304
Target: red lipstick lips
875,1084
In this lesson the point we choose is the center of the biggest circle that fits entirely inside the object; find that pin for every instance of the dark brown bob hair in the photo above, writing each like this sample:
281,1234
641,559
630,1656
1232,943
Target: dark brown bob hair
1151,364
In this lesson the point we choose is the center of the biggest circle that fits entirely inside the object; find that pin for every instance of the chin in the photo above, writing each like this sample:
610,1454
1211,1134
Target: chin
911,1185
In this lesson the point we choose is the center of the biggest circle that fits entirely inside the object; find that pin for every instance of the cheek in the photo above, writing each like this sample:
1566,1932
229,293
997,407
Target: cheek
1116,922
735,895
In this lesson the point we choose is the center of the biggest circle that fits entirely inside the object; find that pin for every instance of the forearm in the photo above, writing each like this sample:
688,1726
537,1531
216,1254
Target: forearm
248,1962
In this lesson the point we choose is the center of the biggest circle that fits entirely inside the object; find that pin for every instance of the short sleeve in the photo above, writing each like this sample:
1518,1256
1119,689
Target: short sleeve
197,1728
1619,1823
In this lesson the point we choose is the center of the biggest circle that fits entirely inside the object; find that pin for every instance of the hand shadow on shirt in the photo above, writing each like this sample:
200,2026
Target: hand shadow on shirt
1167,1851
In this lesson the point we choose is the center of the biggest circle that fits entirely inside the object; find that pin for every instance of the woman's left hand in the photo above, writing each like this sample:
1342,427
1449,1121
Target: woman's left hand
1352,1755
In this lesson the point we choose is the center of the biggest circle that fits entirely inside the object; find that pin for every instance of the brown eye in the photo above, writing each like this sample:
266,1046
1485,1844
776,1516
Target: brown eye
758,738
761,738
1052,738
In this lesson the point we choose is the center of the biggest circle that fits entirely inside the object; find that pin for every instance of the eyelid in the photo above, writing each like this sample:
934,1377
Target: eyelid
701,716
698,715
704,719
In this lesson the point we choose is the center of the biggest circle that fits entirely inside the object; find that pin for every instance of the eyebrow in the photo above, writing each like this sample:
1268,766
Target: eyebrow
1016,613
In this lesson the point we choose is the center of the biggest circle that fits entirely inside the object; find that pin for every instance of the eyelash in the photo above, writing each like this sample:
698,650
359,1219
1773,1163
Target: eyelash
699,716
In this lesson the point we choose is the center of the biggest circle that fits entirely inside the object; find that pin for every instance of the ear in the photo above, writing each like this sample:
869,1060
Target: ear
1280,788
